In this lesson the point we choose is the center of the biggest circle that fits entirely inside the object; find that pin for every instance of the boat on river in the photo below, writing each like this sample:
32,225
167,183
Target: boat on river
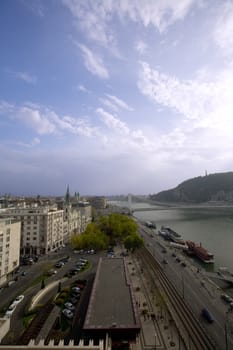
200,252
170,235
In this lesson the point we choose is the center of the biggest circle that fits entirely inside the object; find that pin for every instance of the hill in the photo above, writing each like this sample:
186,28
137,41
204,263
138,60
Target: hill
213,187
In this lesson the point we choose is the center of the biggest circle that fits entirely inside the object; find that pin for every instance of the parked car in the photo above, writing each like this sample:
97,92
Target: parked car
68,313
18,299
10,310
76,268
69,306
59,264
73,300
51,272
76,290
207,315
24,273
65,259
226,298
85,261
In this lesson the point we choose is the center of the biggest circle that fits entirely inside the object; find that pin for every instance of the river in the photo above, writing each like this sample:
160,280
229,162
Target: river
211,226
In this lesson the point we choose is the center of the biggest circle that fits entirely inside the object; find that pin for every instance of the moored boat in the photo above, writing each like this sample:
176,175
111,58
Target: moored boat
200,252
170,235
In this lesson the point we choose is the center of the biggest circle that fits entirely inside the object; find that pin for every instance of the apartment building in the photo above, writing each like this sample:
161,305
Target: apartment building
85,212
9,246
77,215
98,202
41,228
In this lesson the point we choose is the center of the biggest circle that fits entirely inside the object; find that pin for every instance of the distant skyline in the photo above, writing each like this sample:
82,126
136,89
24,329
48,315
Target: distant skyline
114,96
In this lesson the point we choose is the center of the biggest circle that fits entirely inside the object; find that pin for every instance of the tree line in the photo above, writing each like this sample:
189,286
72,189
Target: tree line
108,231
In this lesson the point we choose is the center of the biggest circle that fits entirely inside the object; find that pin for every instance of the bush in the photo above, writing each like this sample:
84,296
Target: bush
59,301
63,295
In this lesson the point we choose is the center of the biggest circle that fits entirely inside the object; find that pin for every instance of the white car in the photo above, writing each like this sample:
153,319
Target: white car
10,310
69,306
67,313
18,299
76,289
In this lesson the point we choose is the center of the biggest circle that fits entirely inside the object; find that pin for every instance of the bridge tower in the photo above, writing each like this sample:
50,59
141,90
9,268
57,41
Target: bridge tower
130,202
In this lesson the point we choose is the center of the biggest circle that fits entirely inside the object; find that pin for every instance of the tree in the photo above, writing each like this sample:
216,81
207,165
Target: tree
107,230
42,284
132,242
117,226
92,238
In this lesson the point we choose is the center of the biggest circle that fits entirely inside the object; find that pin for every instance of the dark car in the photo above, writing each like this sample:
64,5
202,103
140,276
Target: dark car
207,315
73,300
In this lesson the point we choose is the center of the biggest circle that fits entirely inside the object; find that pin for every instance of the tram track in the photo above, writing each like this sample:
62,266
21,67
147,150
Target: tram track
195,334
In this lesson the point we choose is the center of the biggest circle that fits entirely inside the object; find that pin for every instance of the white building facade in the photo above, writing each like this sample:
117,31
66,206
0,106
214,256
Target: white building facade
41,229
9,246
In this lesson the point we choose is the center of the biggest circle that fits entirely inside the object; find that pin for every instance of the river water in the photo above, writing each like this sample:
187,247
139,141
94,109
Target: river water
211,226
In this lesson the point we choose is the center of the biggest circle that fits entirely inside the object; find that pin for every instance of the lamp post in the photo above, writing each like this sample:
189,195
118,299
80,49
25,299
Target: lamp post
155,340
226,338
182,280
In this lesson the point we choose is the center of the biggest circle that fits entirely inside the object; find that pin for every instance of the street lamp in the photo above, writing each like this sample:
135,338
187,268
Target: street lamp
155,339
226,338
182,280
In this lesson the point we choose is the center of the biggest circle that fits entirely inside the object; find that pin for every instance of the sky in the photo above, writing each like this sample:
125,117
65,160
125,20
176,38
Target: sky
114,96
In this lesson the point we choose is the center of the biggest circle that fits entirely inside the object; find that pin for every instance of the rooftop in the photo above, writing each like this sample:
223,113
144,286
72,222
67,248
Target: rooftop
112,303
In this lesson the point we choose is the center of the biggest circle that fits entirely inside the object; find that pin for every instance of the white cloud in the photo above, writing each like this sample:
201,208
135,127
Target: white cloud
6,107
112,122
94,63
109,104
83,89
120,103
92,17
25,76
35,6
223,32
96,18
141,47
33,143
36,120
45,121
205,108
130,139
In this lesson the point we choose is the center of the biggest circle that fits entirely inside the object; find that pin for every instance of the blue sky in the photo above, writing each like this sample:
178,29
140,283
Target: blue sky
114,96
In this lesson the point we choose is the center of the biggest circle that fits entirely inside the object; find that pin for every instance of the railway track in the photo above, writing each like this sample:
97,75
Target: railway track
196,338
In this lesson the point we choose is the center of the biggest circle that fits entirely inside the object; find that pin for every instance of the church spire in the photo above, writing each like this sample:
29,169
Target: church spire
67,195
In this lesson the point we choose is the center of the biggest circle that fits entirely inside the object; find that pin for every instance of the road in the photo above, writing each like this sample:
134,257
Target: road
197,291
24,286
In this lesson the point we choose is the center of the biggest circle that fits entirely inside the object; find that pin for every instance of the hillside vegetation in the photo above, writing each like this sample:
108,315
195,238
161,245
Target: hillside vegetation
213,187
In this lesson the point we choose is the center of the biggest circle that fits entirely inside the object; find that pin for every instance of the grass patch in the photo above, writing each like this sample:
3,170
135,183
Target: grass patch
27,320
39,279
44,275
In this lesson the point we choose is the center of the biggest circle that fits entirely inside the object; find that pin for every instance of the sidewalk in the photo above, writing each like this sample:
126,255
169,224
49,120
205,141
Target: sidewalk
158,329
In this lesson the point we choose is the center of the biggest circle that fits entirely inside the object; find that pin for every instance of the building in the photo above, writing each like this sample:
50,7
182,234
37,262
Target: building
110,312
9,246
98,202
72,221
41,228
85,213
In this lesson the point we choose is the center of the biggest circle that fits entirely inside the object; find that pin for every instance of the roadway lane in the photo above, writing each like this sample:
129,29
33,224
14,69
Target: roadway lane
190,285
24,286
